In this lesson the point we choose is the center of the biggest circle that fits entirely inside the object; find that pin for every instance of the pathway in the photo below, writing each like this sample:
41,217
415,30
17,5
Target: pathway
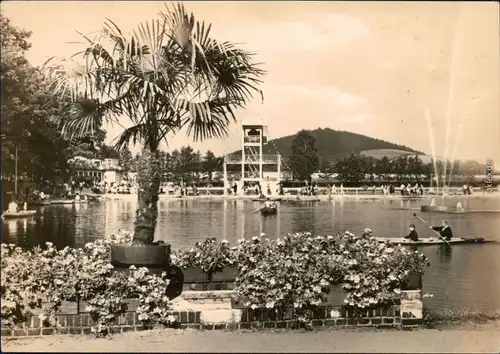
474,338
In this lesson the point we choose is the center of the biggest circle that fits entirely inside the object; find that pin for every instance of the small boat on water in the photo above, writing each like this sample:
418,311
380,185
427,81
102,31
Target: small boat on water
61,201
433,208
268,210
431,241
265,199
18,214
81,201
39,202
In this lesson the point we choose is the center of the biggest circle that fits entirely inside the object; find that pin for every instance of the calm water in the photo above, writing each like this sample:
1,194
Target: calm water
465,276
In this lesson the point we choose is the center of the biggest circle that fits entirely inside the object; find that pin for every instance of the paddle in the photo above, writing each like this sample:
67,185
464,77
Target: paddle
437,233
256,210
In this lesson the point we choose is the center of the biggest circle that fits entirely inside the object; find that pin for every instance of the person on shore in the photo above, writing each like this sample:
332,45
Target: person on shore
403,189
413,234
342,189
25,206
444,230
392,190
13,207
465,189
77,197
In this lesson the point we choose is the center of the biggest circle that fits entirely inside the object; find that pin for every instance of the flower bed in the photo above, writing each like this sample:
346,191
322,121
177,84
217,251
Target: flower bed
40,280
296,272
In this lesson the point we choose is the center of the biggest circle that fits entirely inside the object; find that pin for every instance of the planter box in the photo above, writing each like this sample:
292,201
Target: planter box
156,256
196,275
412,282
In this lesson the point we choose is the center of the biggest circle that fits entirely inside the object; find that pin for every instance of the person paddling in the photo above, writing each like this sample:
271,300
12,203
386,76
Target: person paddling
444,230
413,233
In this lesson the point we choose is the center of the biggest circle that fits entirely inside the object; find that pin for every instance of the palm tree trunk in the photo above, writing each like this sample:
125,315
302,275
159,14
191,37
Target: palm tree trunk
148,178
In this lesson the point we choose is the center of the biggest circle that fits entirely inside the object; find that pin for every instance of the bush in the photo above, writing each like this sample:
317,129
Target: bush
43,279
298,270
210,255
295,271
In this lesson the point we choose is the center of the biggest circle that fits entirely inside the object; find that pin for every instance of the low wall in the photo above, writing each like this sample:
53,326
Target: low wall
215,310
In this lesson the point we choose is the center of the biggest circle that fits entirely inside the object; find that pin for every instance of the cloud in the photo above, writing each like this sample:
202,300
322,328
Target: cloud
321,95
332,30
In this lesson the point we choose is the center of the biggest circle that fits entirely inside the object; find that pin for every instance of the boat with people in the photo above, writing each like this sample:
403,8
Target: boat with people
18,214
266,210
432,241
264,199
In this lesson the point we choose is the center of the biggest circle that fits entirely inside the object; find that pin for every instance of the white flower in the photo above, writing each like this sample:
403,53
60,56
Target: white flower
255,238
262,234
397,291
335,313
273,282
269,304
224,241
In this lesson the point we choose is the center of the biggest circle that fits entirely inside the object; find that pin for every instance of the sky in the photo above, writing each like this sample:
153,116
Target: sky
421,74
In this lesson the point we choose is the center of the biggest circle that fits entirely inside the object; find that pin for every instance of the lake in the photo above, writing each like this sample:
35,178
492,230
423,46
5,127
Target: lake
466,276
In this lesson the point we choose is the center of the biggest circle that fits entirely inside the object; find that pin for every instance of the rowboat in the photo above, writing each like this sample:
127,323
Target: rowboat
62,201
81,201
268,210
433,208
265,199
19,214
454,210
40,202
431,241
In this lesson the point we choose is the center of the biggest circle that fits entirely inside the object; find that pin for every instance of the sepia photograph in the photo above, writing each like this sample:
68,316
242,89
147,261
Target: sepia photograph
250,176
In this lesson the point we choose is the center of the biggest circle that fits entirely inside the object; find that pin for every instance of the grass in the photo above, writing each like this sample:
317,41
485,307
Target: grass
434,318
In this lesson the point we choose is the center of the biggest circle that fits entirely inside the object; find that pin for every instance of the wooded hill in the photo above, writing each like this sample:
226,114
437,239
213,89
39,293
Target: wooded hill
334,144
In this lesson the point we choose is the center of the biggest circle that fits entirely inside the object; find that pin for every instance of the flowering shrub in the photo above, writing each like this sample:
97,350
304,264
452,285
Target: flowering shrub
298,270
154,305
210,255
292,272
374,270
42,279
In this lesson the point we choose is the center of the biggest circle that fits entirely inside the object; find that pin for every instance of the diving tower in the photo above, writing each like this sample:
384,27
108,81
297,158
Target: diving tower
251,166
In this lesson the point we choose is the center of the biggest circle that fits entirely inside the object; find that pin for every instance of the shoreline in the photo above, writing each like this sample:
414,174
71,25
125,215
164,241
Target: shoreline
293,198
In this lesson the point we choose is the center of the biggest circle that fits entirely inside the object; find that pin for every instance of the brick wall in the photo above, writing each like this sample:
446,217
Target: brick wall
406,311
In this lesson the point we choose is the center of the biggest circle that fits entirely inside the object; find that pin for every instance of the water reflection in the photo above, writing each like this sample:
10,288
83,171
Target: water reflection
458,276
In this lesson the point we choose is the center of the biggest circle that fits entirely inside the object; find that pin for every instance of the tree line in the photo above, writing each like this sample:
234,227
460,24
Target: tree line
29,118
184,163
306,160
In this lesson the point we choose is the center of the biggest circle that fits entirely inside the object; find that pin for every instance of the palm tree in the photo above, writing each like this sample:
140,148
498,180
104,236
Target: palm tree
166,76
